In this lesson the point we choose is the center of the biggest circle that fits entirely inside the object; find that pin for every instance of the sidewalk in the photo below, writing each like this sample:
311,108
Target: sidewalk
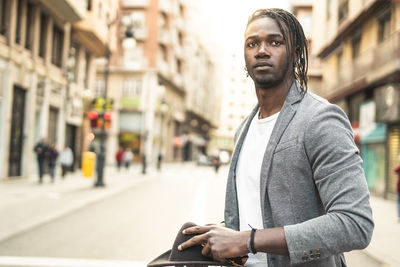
385,243
25,204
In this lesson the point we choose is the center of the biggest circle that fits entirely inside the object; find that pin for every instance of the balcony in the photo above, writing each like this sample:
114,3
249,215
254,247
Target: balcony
135,3
141,34
164,68
70,10
369,67
180,23
178,80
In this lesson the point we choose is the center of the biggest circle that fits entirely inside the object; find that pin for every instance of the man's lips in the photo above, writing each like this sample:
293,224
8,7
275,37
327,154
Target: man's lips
262,65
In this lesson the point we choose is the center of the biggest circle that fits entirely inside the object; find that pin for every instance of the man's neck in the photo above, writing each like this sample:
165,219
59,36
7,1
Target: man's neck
271,99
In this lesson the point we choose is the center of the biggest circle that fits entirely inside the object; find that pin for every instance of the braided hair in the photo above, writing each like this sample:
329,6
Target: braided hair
294,38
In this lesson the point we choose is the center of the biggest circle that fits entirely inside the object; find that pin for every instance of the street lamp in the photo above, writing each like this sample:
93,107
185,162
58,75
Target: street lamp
163,109
129,42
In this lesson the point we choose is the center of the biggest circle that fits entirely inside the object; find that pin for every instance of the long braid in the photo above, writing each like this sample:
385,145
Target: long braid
296,42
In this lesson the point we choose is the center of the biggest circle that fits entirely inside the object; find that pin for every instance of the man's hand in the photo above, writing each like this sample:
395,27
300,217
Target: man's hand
218,242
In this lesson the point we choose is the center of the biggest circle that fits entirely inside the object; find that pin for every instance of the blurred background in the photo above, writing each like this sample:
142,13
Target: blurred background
154,91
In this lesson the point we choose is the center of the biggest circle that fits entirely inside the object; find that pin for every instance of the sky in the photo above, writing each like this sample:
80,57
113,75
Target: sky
226,19
221,24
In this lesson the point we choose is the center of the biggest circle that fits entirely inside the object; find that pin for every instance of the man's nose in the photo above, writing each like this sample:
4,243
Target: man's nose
263,50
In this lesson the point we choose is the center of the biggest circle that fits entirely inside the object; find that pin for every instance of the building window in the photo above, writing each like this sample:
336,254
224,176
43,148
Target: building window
72,66
87,69
163,22
339,61
181,10
356,46
19,22
328,9
131,88
384,25
100,10
89,5
180,38
99,88
29,26
343,10
5,17
43,35
305,18
164,52
58,39
179,66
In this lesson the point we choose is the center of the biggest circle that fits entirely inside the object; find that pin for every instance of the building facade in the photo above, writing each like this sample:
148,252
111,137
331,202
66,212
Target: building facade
152,87
46,66
304,12
360,49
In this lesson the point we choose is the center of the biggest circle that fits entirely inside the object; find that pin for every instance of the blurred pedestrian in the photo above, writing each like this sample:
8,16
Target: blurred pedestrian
144,164
66,160
397,170
52,155
159,161
127,158
41,149
216,163
119,157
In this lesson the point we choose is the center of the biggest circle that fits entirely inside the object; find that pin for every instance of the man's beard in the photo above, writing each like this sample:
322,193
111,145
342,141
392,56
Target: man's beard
268,82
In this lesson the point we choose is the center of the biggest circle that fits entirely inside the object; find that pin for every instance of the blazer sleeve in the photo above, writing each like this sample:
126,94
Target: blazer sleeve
339,178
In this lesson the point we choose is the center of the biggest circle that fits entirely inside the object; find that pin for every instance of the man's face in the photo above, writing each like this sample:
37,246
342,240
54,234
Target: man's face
265,52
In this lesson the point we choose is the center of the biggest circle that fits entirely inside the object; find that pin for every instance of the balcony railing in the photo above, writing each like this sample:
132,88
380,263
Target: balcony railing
371,65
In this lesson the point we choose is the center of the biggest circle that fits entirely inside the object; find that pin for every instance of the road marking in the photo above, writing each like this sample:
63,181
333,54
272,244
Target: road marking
65,262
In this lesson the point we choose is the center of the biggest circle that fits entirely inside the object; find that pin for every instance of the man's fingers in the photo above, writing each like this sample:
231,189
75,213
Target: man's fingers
196,240
206,251
197,230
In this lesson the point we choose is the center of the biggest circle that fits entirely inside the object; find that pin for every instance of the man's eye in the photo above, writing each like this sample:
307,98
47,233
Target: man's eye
276,43
251,44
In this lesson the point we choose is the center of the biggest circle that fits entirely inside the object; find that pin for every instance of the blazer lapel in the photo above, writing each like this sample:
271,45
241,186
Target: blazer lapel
285,116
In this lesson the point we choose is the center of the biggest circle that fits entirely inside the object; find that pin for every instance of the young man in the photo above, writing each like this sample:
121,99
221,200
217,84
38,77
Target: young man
296,174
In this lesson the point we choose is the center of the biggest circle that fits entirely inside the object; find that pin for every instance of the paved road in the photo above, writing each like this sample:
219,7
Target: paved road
137,224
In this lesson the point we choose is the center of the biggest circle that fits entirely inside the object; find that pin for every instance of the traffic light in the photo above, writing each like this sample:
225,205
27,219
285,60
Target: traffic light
107,120
93,116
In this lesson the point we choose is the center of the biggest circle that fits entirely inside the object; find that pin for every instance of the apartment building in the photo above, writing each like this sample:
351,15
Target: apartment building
360,48
154,112
46,66
304,12
239,98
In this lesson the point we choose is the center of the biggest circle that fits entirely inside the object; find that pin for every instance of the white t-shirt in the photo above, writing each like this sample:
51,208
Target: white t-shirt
248,179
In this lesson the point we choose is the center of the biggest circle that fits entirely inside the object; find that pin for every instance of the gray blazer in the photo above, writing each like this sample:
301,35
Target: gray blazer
312,183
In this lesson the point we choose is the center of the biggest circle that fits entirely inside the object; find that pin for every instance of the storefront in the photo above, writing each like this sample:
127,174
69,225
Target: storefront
388,111
374,158
373,147
130,126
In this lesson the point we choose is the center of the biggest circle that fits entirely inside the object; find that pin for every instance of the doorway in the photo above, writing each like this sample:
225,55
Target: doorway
17,133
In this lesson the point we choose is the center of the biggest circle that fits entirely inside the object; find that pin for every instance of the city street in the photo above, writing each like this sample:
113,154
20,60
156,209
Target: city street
136,224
